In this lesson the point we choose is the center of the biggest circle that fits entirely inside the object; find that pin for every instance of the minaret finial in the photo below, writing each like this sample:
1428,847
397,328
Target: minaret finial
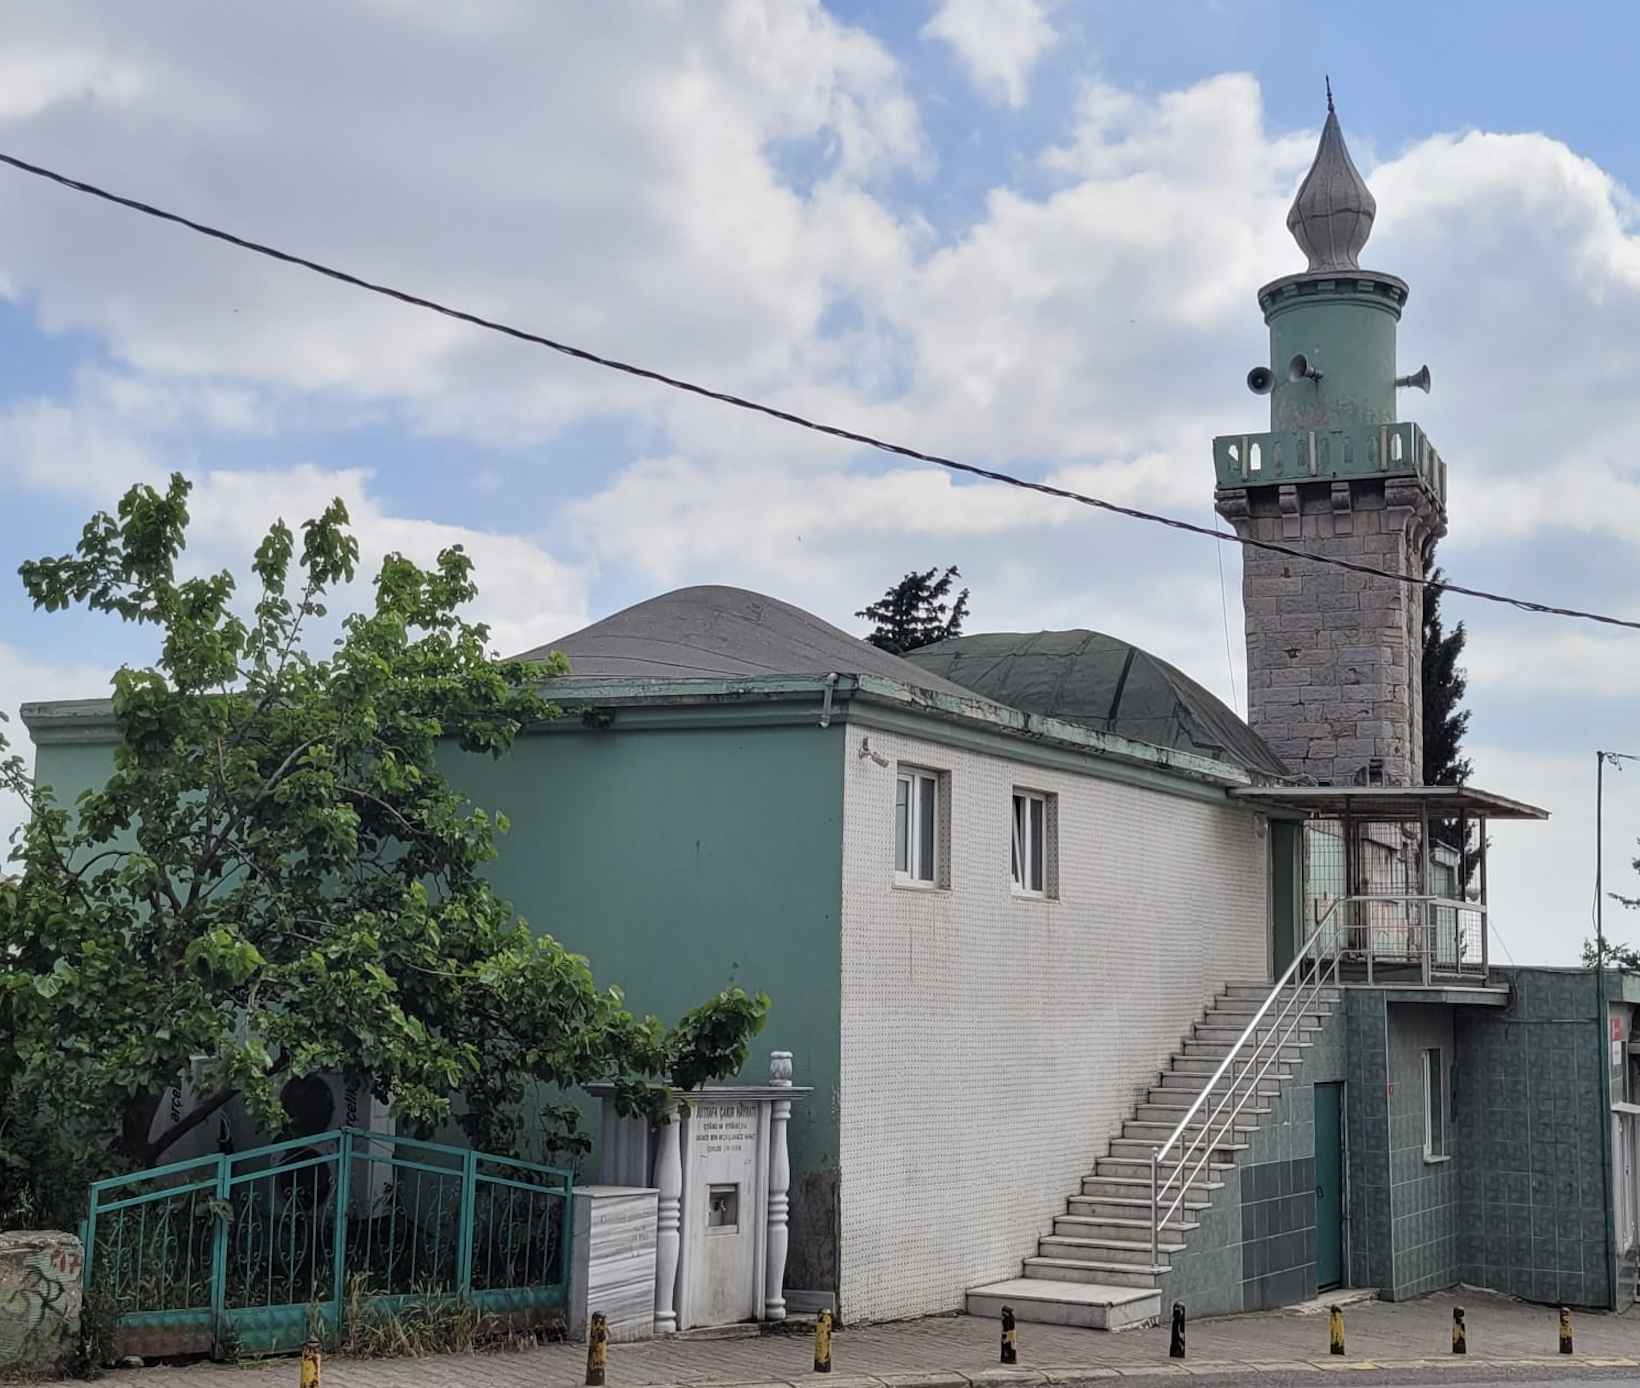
1333,213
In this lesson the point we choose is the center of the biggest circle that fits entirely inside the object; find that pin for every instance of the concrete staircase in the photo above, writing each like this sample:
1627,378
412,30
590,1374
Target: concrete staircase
1095,1269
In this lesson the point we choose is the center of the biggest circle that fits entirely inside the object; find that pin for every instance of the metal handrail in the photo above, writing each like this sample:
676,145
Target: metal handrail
1210,1133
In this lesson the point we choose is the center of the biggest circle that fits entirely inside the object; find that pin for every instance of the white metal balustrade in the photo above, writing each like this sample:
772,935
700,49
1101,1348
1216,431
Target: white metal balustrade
1209,1124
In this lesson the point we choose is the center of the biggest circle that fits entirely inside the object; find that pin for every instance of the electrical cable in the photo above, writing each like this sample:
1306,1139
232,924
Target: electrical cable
788,417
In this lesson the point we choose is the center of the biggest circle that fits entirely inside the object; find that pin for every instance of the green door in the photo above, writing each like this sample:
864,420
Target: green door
1329,1185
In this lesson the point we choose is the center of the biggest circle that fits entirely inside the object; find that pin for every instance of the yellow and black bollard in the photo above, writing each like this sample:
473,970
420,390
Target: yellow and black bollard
1335,1330
1460,1336
822,1343
597,1349
310,1365
1175,1343
1565,1329
1010,1337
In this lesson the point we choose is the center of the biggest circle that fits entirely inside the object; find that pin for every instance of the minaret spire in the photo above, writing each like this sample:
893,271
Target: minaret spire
1333,213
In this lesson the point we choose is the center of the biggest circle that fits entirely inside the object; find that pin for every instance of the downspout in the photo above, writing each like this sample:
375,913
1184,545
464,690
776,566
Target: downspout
825,704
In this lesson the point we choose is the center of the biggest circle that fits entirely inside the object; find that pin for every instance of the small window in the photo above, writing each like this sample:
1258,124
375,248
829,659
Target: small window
917,827
1434,1107
1030,847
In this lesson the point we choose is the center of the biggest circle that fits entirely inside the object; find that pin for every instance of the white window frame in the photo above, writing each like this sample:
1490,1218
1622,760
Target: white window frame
1435,1116
917,814
1028,830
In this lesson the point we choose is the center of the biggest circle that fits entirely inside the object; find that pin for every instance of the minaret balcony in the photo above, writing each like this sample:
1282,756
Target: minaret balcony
1329,455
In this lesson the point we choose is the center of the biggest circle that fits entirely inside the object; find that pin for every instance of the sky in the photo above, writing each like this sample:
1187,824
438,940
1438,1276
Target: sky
1027,233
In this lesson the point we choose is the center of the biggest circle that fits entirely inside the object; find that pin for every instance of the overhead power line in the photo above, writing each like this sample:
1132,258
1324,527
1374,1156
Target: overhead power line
788,417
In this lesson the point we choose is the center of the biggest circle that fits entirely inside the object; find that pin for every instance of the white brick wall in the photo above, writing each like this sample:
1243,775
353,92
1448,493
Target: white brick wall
990,1044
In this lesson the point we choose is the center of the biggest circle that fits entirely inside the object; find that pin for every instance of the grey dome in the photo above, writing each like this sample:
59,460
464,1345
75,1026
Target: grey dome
1100,682
714,632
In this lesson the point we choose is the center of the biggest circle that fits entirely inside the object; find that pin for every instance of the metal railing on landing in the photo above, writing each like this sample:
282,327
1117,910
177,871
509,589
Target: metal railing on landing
1441,937
257,1250
1210,1122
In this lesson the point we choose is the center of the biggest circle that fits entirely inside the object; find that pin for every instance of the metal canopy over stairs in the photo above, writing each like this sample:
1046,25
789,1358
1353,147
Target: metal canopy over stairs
1101,1265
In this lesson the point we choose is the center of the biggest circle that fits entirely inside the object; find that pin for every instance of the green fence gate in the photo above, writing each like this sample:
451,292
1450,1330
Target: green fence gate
254,1250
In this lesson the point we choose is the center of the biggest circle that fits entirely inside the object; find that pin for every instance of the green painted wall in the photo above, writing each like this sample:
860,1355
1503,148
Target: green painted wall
681,861
71,767
1345,328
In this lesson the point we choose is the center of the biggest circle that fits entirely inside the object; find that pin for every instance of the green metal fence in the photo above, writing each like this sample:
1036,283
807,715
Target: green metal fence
254,1249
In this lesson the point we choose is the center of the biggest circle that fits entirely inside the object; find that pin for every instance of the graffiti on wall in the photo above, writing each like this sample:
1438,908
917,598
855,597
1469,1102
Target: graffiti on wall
40,1296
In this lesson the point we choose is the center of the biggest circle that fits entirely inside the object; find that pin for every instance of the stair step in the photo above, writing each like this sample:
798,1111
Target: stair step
1247,1006
1264,1037
1102,1187
1112,1274
1167,1115
1136,1147
1127,1251
1158,1132
1193,1082
1179,1098
1293,1050
1122,1229
1087,1305
1260,991
1138,1168
1126,1206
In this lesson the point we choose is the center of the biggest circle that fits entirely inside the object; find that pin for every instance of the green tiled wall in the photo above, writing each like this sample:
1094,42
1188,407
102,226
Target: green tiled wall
1424,1193
1366,1138
1531,1185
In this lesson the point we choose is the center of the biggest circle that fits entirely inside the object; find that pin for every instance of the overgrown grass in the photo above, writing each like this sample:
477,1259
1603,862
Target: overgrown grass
433,1323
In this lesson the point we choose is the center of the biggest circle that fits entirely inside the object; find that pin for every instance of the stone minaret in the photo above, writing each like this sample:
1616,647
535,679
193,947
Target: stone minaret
1334,657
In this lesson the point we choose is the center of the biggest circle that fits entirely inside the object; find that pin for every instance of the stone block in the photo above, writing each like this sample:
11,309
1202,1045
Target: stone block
1255,587
612,1261
1290,675
40,1299
1364,655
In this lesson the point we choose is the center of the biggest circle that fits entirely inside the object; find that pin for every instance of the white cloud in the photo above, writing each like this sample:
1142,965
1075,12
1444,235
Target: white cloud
998,41
609,174
1541,875
117,430
1558,659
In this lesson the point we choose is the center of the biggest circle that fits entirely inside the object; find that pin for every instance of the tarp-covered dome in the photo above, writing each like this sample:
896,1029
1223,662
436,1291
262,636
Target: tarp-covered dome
1099,682
716,632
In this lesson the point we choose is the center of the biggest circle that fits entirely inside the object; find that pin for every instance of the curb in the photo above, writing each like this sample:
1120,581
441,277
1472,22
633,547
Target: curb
1016,1378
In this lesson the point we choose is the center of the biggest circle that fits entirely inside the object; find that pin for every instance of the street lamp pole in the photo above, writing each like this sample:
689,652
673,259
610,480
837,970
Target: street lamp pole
1601,1009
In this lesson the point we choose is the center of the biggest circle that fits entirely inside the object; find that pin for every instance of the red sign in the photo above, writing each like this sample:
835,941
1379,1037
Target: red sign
1617,1028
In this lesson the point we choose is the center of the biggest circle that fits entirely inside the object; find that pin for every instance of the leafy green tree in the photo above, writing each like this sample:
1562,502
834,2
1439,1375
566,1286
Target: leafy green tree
1444,684
914,612
279,875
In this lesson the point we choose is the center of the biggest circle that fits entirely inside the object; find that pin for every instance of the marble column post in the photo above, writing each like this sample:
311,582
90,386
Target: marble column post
669,1181
780,1179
